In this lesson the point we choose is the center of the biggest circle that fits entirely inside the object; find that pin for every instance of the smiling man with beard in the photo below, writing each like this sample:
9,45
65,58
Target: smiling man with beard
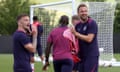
86,32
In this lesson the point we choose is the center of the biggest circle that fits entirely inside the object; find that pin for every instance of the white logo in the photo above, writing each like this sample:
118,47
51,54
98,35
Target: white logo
85,27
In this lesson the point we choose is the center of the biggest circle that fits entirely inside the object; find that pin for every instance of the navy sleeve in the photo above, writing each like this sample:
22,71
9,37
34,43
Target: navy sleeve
76,27
24,39
40,29
92,27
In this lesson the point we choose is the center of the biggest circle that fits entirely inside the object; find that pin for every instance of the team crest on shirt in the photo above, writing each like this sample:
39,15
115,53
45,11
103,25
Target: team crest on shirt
84,28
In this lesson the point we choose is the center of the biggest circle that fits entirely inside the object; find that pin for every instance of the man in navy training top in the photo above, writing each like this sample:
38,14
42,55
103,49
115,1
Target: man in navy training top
86,31
22,46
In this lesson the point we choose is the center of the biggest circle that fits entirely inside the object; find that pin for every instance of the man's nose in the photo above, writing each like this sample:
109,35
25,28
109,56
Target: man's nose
84,12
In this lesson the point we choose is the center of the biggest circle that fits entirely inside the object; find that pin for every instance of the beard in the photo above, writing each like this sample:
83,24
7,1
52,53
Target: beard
84,18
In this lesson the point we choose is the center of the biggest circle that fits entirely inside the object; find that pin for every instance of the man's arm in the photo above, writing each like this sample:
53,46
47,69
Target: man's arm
32,46
88,38
92,31
47,52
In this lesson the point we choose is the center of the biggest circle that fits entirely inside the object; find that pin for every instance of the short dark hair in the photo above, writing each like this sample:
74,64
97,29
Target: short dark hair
81,5
35,18
75,17
64,20
20,16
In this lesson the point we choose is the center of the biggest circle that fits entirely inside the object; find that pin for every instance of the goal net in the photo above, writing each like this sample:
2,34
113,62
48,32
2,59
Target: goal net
102,12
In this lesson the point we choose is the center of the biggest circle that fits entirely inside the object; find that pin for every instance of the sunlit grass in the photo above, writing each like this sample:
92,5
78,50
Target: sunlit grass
6,65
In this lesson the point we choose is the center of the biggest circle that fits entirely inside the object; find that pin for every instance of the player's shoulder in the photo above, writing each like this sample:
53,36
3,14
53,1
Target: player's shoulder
93,24
54,30
91,20
37,23
79,24
19,35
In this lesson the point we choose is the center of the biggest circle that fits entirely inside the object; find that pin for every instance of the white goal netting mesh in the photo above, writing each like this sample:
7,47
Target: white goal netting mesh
102,12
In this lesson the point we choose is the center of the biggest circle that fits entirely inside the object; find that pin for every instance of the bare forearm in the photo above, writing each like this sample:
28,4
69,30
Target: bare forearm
47,52
34,37
87,38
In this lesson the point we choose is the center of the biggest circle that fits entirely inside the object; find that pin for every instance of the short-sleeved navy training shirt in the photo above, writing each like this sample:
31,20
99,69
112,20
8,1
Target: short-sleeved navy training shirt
21,54
88,49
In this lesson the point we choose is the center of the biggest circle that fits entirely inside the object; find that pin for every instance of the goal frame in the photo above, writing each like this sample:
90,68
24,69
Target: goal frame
50,4
32,7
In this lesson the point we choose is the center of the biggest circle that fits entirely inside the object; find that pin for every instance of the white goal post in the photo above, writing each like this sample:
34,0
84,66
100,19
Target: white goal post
102,12
32,7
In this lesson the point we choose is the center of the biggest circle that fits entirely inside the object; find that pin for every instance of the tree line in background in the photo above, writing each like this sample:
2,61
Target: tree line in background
9,9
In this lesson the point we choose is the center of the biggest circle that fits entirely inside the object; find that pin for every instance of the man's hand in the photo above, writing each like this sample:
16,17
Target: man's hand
34,31
45,66
73,30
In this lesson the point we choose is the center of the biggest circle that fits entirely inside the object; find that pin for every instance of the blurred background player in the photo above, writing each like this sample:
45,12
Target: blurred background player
39,47
75,21
73,42
62,57
22,46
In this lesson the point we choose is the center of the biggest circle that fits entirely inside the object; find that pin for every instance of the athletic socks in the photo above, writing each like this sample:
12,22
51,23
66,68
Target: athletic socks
32,66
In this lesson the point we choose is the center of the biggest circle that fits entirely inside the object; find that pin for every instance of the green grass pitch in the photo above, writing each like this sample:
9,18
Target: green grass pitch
6,65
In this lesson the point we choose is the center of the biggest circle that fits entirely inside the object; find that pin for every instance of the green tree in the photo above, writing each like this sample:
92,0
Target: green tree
117,19
9,10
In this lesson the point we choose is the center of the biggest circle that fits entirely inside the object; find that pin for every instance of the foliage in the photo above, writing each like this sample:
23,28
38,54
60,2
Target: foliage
9,9
117,19
47,18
